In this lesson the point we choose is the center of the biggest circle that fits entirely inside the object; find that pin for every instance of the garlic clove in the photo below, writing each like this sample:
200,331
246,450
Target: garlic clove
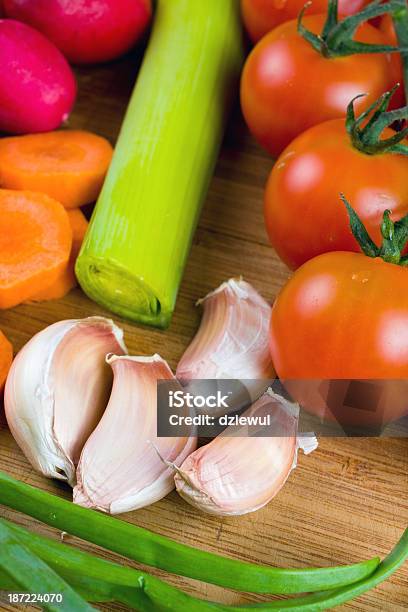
57,390
233,339
237,473
123,465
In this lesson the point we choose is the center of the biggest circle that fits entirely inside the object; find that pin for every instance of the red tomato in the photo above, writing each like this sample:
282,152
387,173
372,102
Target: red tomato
261,16
303,212
344,316
287,86
86,31
387,26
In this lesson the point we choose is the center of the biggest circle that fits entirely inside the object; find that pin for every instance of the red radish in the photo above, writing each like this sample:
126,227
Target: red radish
37,86
86,31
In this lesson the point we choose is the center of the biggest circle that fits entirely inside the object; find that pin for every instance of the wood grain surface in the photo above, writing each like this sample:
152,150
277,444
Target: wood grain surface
346,502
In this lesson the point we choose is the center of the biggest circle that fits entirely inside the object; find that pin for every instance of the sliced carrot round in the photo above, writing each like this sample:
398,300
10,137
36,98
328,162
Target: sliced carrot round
66,279
35,244
6,357
68,165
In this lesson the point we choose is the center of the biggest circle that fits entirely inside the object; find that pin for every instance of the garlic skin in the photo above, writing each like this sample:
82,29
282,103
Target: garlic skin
57,390
236,474
232,341
124,465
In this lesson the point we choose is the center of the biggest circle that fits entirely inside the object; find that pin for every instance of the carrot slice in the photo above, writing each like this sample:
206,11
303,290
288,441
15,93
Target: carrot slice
35,244
6,357
67,279
69,166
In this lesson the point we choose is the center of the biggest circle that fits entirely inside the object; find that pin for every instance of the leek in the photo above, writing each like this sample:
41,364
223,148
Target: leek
134,253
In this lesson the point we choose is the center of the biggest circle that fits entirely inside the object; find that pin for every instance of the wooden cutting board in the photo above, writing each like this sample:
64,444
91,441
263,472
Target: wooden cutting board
346,502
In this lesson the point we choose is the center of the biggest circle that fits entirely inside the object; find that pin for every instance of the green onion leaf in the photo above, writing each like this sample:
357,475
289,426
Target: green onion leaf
158,551
32,575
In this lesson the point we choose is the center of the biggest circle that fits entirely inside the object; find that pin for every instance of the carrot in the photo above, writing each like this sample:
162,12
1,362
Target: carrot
35,244
69,166
67,279
6,357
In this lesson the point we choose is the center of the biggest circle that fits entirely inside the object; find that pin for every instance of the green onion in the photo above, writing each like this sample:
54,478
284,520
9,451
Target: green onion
104,581
133,256
158,551
98,580
32,575
336,597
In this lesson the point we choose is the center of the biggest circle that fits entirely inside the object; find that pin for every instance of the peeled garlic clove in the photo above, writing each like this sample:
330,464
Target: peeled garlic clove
57,390
237,473
123,464
232,341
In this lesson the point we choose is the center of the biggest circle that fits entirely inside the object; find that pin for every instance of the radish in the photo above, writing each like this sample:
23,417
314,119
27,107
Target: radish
86,31
37,86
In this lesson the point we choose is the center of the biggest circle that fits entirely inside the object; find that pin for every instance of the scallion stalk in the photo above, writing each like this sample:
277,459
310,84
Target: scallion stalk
98,580
327,600
31,574
134,253
158,551
103,581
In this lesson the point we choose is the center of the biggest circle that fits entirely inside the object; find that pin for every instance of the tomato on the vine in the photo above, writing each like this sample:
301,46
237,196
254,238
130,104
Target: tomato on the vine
261,16
344,317
288,85
387,26
303,212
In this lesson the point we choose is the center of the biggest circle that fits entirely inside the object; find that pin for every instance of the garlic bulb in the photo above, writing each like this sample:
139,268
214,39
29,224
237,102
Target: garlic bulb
237,473
232,341
123,465
57,390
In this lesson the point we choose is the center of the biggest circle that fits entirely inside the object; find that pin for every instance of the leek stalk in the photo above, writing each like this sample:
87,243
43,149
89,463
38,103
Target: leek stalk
134,253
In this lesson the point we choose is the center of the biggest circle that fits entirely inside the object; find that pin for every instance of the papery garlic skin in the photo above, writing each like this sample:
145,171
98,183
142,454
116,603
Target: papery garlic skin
123,465
233,339
236,474
57,390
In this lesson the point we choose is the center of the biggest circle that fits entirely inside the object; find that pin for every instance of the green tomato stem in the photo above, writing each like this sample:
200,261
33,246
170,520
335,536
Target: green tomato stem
400,18
337,37
366,129
395,236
